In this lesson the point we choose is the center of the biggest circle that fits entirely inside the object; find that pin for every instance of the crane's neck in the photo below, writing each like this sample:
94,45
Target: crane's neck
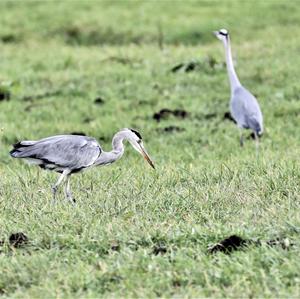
117,150
233,78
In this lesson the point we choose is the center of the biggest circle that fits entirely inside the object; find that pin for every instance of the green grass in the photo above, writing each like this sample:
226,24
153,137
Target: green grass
57,58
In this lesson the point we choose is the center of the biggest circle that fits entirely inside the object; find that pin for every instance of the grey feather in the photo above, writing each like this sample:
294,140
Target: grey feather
63,151
246,111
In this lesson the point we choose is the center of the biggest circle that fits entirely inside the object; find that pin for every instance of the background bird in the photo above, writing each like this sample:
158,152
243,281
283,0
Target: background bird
243,105
69,154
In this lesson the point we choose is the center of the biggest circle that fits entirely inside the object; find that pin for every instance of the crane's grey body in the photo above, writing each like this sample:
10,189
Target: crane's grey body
244,107
69,154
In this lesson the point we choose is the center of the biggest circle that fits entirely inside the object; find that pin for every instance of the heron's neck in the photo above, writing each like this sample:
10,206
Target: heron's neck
117,144
233,78
116,153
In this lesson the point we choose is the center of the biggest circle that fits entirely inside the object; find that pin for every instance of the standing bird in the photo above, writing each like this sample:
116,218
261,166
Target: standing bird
68,154
244,107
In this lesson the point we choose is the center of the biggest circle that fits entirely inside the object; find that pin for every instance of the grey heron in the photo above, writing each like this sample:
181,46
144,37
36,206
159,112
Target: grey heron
69,154
243,105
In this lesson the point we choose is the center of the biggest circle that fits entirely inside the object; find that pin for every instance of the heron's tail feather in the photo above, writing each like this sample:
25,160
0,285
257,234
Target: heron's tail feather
259,130
22,149
256,125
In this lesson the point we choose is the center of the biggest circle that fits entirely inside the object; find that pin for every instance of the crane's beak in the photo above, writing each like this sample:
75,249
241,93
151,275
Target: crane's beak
146,156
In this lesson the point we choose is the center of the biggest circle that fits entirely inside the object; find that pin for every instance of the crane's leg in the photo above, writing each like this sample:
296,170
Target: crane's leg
59,181
241,137
68,190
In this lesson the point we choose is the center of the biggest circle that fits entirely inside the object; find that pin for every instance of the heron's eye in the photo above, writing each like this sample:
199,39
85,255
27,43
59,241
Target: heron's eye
139,141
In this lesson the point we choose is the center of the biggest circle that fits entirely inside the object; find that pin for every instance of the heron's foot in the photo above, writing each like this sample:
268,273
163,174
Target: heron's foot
70,198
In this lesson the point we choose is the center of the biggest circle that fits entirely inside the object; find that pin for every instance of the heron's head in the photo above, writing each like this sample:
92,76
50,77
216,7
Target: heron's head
222,34
135,139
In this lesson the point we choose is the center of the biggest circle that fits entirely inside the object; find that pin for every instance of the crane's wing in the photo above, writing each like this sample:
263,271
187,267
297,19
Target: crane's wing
64,151
246,111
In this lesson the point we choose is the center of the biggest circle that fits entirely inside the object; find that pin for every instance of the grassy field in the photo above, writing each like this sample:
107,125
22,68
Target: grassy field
135,232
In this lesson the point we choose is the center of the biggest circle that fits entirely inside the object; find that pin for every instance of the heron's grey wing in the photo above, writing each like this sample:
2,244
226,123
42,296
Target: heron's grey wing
66,151
237,108
246,111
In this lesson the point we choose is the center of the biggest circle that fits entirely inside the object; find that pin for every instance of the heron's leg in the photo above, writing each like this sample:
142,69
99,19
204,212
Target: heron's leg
256,143
59,181
68,190
241,137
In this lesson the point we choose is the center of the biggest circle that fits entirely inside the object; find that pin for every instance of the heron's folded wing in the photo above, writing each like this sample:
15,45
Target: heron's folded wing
246,109
69,151
253,115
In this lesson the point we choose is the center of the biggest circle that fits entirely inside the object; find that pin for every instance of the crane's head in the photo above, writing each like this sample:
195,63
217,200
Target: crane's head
135,139
222,34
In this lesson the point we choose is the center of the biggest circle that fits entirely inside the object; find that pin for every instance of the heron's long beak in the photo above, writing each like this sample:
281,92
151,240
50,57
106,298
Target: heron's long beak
146,156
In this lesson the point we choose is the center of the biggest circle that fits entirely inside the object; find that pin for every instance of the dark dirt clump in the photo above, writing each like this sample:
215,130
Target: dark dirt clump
99,101
172,129
4,95
10,38
165,113
115,247
177,67
207,64
159,250
229,244
186,67
87,120
234,242
18,240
